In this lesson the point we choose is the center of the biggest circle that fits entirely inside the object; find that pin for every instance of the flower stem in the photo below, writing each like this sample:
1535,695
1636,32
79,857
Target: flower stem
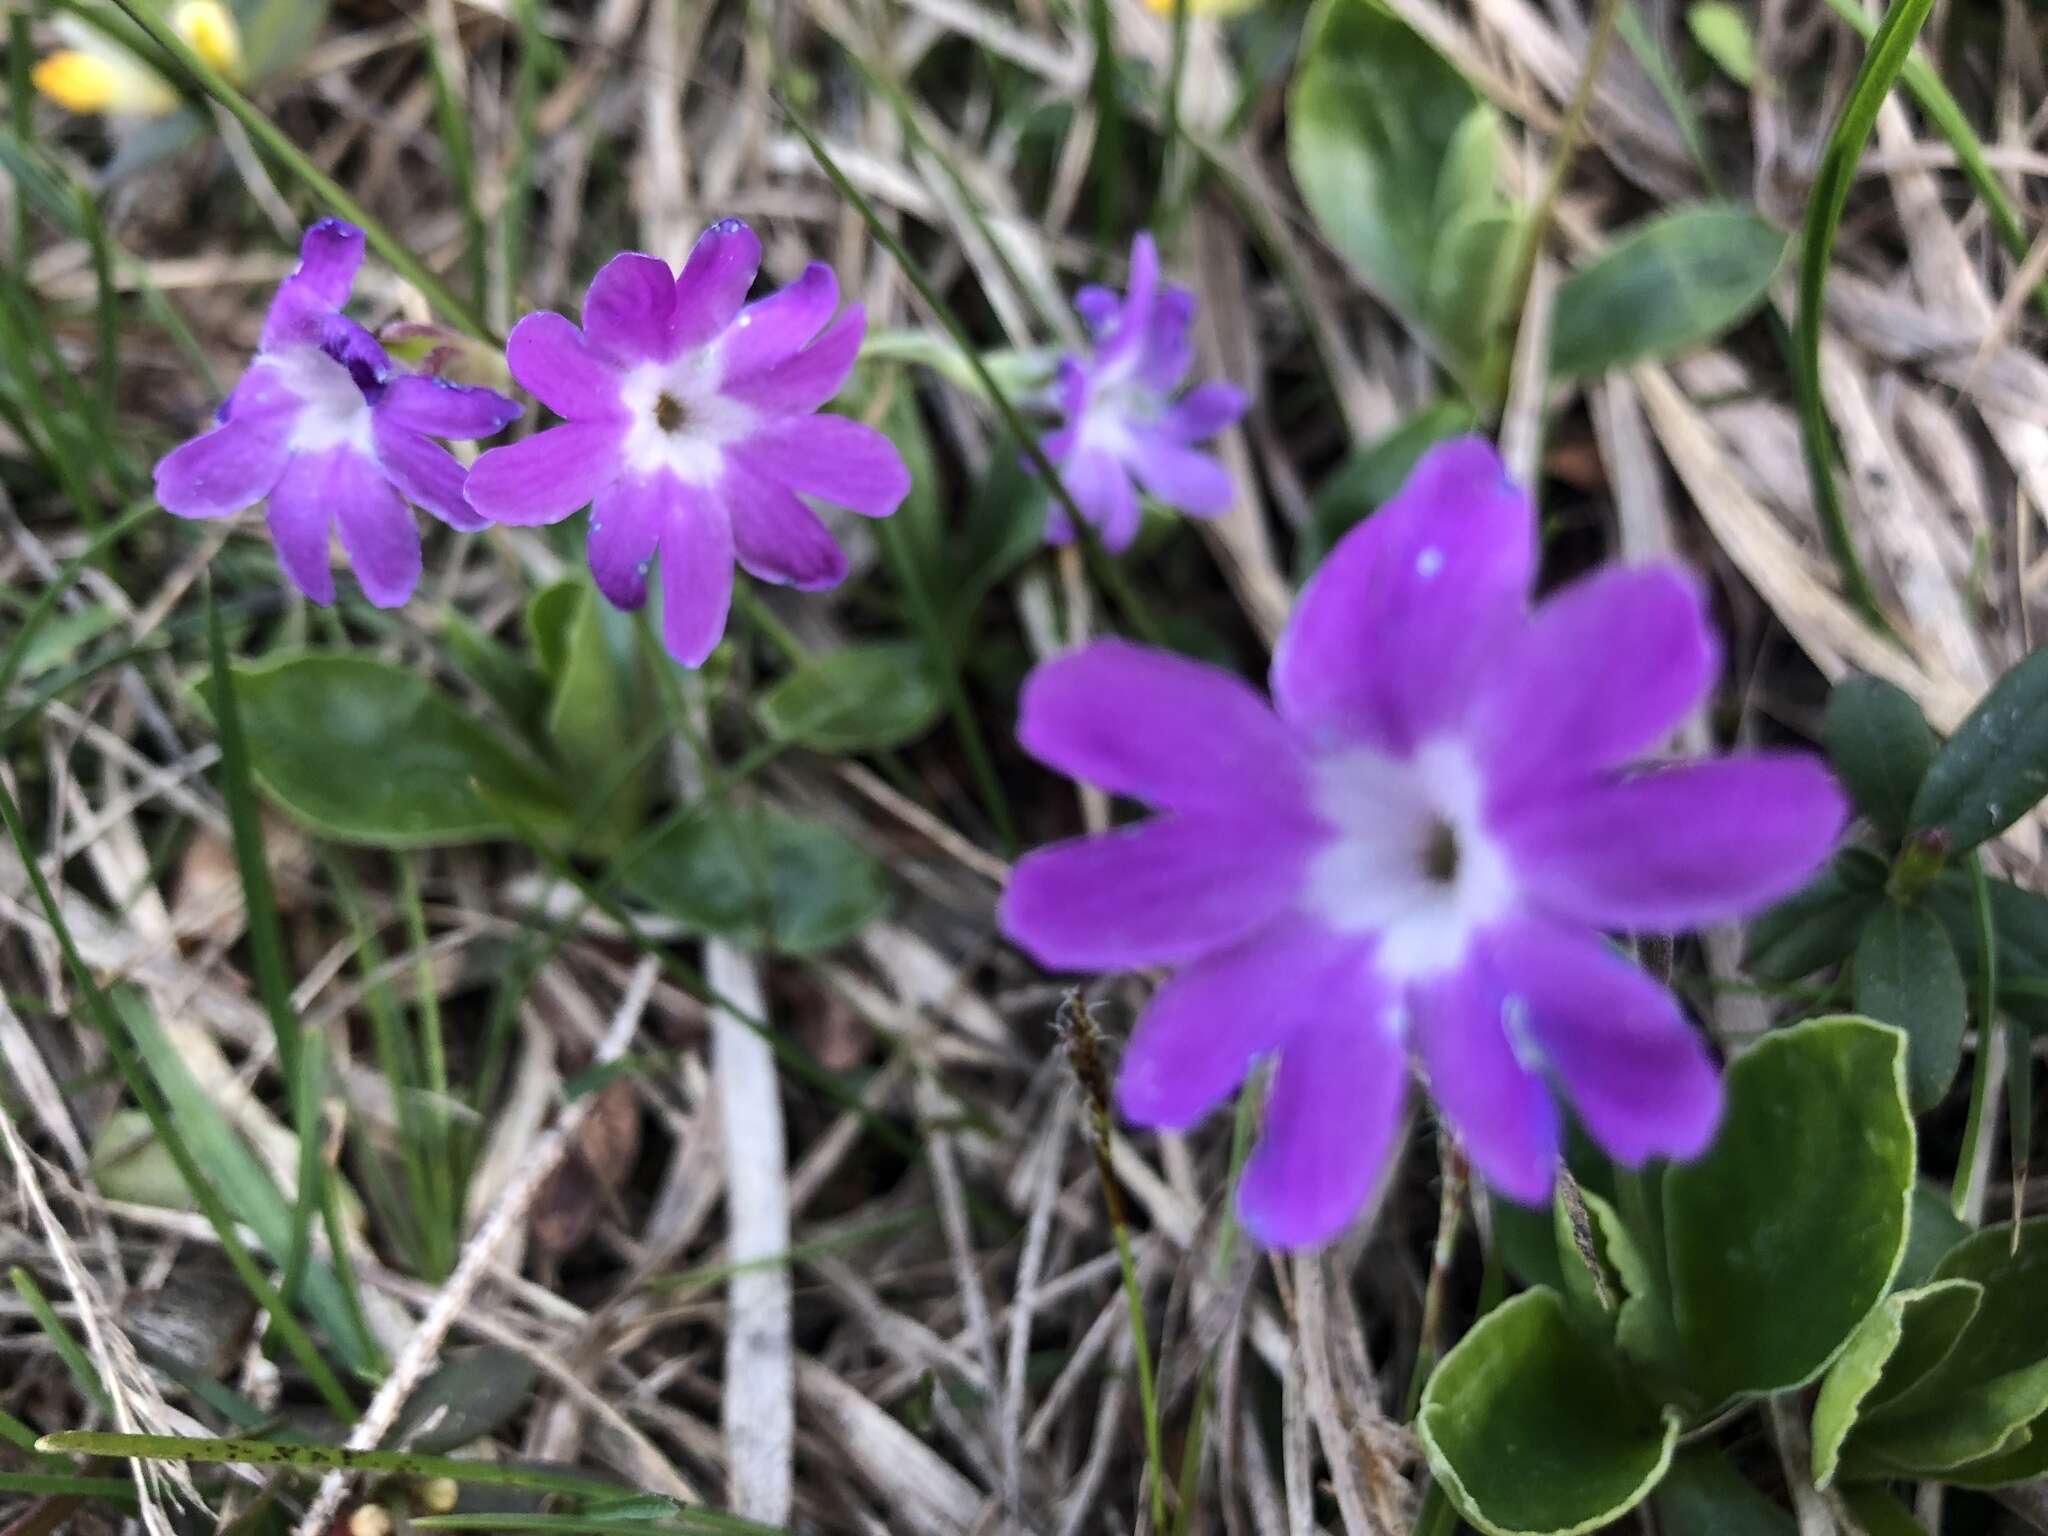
1570,132
1083,1044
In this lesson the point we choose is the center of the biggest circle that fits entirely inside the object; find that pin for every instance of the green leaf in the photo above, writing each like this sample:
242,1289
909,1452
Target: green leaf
1995,768
1703,1495
469,1396
1392,149
507,678
1673,283
1722,33
860,699
1881,747
755,871
1532,1428
550,613
1788,1231
370,753
1933,1316
1978,1401
600,693
1907,975
1818,926
1374,471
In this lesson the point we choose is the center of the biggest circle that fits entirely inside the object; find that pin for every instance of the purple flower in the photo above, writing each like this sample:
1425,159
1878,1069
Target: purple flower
1413,849
325,428
689,430
1120,417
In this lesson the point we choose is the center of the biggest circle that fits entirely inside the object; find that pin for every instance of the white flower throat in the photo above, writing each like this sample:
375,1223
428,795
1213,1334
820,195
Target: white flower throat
680,420
1409,856
333,411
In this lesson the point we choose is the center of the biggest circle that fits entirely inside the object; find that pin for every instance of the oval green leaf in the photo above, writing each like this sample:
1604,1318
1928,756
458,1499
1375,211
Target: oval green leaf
366,752
1673,283
1788,1231
757,873
1881,747
1907,975
1995,768
1533,1430
860,699
1391,148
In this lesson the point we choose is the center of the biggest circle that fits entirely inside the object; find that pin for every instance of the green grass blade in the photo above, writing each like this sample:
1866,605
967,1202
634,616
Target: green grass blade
47,600
121,1047
1946,114
266,944
330,1458
61,1338
1890,47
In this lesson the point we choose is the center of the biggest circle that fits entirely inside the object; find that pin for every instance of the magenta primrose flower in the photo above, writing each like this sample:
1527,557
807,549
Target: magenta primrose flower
689,430
1413,850
325,428
1120,416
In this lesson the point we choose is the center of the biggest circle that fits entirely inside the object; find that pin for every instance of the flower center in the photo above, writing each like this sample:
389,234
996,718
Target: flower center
333,409
679,418
1408,858
1440,854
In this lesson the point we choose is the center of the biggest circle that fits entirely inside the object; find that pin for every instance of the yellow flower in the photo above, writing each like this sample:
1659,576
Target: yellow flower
1207,7
93,73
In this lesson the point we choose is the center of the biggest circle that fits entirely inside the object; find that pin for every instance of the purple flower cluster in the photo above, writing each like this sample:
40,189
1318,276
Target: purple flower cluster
333,436
1413,851
1119,415
690,426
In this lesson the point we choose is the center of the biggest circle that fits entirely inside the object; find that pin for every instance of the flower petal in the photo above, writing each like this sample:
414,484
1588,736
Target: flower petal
440,408
715,281
1604,670
425,473
222,471
329,254
1159,727
1180,476
1500,1108
1104,494
1128,331
696,575
805,380
298,515
545,477
1203,1029
1169,352
626,523
377,530
1097,306
1678,847
770,330
1160,892
847,463
1204,411
629,310
1391,635
557,365
1637,1073
777,537
1331,1120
